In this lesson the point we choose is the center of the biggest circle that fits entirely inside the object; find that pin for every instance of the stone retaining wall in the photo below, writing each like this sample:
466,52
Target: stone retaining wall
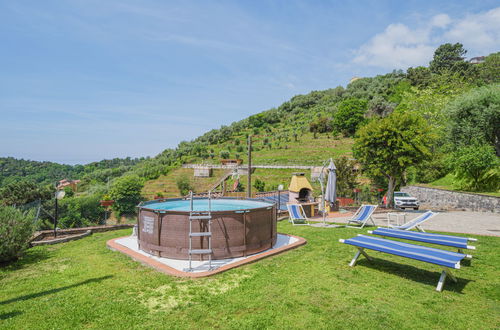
433,198
76,231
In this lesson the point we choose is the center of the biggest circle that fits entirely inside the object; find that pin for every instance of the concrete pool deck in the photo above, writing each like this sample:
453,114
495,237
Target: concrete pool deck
129,246
466,222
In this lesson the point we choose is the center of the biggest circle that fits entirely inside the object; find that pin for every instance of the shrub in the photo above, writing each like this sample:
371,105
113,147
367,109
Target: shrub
321,125
126,192
224,154
16,229
259,185
184,185
472,162
81,211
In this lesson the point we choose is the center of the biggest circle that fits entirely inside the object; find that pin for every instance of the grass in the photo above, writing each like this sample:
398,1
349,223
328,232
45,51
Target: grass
449,182
82,284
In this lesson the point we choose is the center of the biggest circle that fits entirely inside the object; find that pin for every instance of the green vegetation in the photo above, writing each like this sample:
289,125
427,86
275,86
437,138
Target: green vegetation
350,115
16,228
473,164
126,192
82,284
390,145
459,102
184,185
475,118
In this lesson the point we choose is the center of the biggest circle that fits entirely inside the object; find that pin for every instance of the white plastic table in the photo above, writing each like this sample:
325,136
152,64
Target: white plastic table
397,216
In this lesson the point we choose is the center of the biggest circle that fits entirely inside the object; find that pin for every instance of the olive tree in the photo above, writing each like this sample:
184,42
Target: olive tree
388,146
475,118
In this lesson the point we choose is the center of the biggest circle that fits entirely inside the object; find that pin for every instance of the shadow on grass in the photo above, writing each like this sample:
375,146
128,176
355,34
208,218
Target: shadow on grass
51,291
415,274
8,315
32,256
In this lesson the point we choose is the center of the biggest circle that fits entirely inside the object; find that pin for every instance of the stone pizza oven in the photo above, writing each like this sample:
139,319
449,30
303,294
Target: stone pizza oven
300,190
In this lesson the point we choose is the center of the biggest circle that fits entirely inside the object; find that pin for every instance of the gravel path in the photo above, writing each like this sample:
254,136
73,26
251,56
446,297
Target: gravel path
479,223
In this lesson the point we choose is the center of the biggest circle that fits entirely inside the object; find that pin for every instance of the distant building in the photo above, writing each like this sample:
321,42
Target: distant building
477,60
231,161
353,79
68,183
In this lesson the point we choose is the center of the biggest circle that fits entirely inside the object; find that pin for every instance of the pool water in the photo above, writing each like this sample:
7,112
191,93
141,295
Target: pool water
202,205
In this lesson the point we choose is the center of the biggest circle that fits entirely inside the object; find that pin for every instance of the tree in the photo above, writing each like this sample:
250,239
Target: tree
22,192
126,192
184,185
475,118
379,106
321,125
489,71
350,115
419,76
388,146
224,154
471,163
447,57
259,185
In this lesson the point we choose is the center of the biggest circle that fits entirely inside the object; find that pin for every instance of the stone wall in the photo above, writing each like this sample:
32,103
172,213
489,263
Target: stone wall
432,198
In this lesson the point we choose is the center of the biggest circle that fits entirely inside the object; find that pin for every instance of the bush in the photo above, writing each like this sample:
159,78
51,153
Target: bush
472,163
16,229
259,185
224,154
126,192
184,185
81,211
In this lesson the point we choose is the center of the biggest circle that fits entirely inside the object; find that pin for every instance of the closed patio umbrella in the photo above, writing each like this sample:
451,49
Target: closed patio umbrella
331,185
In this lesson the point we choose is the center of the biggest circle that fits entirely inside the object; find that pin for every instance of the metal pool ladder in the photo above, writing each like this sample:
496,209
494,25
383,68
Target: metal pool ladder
200,216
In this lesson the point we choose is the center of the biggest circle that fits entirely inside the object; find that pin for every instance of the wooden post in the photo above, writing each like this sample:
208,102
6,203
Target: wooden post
249,182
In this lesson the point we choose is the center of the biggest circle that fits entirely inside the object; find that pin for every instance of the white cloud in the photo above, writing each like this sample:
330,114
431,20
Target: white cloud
479,33
396,48
400,46
441,20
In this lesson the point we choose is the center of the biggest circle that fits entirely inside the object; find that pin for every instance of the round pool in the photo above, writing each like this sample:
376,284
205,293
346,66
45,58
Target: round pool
239,227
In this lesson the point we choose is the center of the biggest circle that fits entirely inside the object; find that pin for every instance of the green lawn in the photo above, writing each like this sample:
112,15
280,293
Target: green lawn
449,182
82,284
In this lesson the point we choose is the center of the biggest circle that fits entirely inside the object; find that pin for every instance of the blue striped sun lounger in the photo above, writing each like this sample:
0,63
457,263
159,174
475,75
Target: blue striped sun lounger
445,240
297,214
415,223
446,259
362,215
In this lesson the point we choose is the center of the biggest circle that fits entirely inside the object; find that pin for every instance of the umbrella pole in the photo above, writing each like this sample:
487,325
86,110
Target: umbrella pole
323,191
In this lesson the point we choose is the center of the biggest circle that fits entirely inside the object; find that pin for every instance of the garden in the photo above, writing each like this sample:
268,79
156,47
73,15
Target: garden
82,284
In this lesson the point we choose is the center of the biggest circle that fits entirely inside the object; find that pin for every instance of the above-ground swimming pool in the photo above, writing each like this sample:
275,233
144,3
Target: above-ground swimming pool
239,228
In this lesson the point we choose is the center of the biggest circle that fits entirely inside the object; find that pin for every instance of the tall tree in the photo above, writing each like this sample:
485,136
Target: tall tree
390,145
489,71
446,57
126,192
350,115
475,118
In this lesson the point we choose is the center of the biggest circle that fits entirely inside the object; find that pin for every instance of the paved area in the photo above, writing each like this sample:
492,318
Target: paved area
479,223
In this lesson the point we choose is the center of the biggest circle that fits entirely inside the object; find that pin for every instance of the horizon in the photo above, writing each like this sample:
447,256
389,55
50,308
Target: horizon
83,83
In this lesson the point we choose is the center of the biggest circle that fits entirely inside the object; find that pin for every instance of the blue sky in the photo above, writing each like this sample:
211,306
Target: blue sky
81,81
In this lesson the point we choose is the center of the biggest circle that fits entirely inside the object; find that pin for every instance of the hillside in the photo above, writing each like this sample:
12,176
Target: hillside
307,150
457,103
